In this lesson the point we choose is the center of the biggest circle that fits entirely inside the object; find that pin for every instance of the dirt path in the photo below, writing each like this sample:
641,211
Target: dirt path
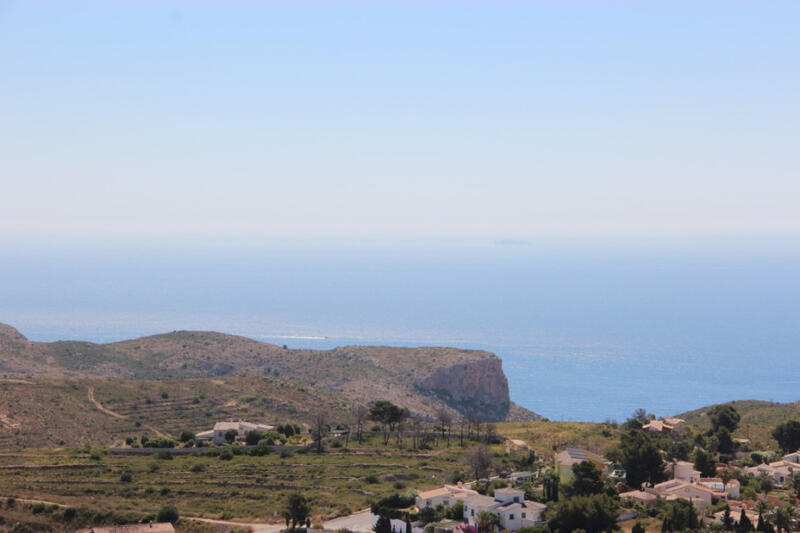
90,394
109,412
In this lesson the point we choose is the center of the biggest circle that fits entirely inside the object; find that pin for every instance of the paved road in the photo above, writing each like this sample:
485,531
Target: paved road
360,521
257,528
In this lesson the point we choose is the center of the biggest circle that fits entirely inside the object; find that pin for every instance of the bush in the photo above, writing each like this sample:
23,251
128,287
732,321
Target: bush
197,468
186,436
253,437
126,477
371,479
168,513
164,454
226,454
19,527
70,513
38,508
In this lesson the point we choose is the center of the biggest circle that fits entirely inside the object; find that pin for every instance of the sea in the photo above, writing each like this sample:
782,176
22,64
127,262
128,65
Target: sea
588,329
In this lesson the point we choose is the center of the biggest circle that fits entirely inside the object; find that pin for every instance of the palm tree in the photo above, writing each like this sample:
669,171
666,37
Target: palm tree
488,522
784,518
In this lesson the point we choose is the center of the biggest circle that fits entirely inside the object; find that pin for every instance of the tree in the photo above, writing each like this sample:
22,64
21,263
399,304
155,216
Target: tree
550,483
641,458
231,435
641,415
251,438
487,522
637,528
186,436
383,525
480,461
593,514
726,476
360,415
389,416
445,420
297,510
788,435
795,480
587,479
724,416
679,515
744,525
320,428
784,518
725,440
705,463
727,519
168,513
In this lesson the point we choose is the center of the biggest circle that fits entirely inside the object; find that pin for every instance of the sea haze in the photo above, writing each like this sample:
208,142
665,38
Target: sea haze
587,330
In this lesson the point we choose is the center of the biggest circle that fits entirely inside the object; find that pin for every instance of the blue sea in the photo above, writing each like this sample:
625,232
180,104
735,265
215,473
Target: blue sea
588,329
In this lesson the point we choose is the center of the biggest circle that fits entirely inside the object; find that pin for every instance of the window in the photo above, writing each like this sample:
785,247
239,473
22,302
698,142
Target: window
511,517
516,499
523,516
472,512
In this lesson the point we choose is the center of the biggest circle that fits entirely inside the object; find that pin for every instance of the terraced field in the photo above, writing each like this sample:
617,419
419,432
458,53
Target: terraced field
244,487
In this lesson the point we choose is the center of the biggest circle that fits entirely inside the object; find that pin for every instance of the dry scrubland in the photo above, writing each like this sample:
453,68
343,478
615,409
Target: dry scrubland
54,412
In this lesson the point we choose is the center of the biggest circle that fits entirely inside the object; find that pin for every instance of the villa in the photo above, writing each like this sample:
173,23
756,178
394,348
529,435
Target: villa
217,435
508,503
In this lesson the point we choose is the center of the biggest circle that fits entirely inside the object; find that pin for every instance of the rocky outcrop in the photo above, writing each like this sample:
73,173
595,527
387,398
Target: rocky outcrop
476,388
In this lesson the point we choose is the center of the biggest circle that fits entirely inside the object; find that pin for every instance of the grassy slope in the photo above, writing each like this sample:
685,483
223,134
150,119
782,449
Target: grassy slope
754,412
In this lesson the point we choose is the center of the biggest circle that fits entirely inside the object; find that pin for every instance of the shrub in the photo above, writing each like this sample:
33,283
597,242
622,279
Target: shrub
253,437
164,454
168,513
197,467
38,508
70,513
20,527
126,477
371,479
226,454
186,436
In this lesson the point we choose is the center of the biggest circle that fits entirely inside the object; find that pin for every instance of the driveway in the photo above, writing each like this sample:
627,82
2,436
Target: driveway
360,521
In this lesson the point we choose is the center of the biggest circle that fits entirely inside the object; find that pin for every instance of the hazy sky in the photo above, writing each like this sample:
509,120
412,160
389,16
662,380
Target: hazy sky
495,119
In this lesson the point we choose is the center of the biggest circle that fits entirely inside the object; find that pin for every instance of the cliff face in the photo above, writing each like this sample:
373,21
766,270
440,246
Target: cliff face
478,388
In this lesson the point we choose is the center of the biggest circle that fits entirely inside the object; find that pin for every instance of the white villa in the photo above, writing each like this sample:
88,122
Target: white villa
779,471
217,435
509,504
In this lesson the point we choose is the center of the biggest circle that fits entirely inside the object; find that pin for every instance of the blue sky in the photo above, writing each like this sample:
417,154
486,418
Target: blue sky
407,119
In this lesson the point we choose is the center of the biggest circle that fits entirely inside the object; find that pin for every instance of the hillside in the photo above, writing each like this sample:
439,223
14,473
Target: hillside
208,372
753,412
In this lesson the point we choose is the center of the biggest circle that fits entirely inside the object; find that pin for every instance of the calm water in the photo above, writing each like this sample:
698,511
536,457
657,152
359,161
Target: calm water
586,330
